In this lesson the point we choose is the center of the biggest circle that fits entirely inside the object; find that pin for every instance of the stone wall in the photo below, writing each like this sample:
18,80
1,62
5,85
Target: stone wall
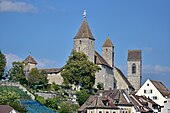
120,83
85,45
56,78
108,55
47,95
105,76
135,78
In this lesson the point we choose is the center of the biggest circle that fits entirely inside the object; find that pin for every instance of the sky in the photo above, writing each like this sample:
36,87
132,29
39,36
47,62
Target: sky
46,28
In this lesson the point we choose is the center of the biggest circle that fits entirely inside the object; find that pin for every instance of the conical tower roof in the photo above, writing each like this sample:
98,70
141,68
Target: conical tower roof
108,43
30,59
84,31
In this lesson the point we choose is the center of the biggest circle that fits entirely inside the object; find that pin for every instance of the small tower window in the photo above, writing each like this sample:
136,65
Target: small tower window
133,68
106,49
95,59
79,49
80,42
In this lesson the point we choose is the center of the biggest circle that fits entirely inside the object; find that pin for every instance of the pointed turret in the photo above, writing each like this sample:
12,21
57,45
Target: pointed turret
108,52
108,43
30,59
29,63
84,41
84,31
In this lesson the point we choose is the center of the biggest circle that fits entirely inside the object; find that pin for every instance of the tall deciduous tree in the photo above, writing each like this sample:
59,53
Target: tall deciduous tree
79,71
17,73
37,77
2,64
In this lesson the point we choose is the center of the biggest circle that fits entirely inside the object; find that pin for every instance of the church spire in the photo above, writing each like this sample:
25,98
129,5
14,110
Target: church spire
84,31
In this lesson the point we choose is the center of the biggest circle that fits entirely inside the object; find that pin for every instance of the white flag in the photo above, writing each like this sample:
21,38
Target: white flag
84,14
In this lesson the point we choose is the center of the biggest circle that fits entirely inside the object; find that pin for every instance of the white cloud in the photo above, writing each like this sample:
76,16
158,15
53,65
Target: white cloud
11,58
16,6
148,49
150,69
42,63
157,69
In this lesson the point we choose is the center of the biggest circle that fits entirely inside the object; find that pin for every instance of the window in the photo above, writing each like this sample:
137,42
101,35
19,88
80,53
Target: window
133,68
168,110
95,59
79,49
144,91
147,84
155,97
106,49
151,91
107,112
114,112
100,111
80,42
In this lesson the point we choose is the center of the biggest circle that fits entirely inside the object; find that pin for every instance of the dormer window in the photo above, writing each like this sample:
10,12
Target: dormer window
133,68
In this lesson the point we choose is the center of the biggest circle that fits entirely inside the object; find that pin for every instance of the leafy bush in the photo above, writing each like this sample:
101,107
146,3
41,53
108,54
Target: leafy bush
66,107
22,94
52,103
56,87
41,100
11,98
82,96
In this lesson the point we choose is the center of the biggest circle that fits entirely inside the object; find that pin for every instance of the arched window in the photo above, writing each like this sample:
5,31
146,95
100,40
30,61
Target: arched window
80,42
106,49
133,68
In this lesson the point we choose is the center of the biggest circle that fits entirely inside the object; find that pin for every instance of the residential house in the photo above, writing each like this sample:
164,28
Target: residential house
154,90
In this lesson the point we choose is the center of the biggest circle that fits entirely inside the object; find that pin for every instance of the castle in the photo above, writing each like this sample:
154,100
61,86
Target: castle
109,75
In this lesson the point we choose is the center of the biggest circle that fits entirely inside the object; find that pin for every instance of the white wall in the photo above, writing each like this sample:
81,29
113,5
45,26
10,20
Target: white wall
160,99
166,107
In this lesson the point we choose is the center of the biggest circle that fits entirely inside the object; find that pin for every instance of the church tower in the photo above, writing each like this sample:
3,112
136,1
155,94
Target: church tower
135,68
84,41
108,52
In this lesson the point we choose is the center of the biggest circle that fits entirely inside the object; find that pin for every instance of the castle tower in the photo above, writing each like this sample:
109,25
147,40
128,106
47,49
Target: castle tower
84,41
135,68
108,52
29,63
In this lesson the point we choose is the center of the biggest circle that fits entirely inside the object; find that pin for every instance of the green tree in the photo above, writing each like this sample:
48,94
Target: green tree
53,103
66,107
100,86
17,73
82,96
79,71
2,64
38,78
